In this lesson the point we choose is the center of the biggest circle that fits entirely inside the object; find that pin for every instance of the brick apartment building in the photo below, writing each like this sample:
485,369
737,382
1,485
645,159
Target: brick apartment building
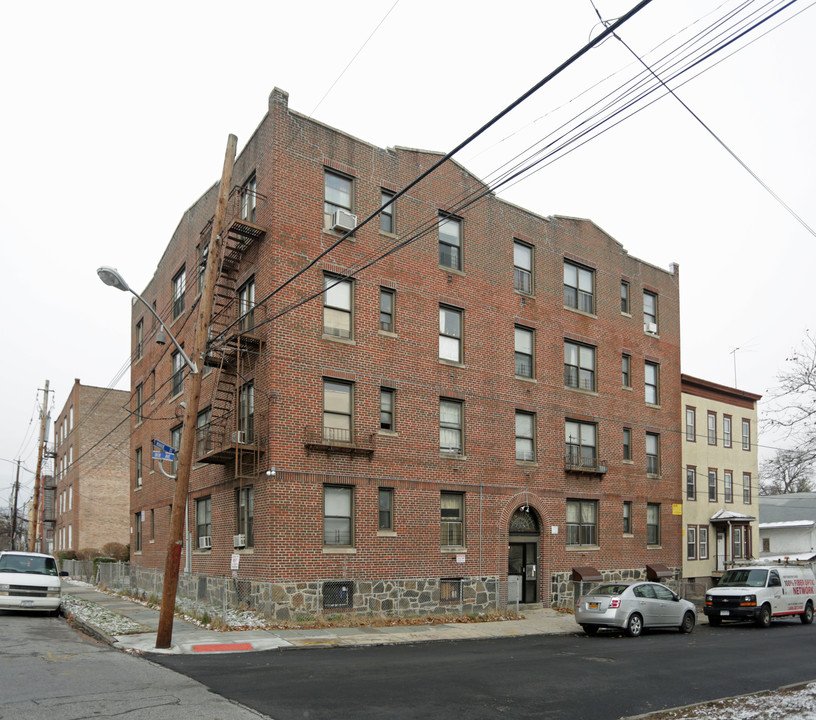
497,401
721,471
91,469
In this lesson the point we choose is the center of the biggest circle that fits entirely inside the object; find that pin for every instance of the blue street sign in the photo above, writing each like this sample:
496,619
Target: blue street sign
158,455
161,447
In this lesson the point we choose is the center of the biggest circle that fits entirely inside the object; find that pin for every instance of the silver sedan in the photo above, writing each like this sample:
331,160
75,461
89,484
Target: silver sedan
634,606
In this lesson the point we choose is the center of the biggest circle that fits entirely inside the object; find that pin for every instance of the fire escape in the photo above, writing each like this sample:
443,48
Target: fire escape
231,432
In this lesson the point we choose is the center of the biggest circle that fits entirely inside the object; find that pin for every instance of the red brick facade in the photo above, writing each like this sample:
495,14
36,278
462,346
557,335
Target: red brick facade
290,357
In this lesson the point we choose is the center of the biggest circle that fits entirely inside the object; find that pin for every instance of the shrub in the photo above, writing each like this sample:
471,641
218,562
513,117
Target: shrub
87,553
66,555
117,551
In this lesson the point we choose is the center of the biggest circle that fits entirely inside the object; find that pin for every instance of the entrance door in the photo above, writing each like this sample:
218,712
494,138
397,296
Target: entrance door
721,558
523,565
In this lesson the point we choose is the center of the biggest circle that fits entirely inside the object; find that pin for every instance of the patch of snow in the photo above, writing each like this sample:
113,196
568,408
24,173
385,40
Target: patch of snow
789,704
108,622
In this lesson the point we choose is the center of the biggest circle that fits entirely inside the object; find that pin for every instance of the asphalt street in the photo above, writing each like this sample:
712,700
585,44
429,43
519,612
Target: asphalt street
595,678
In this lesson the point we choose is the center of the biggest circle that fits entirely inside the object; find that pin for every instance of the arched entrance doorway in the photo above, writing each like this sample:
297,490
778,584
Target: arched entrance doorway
522,560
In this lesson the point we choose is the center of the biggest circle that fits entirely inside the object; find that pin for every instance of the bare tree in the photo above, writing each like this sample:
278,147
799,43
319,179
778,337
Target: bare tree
791,406
787,471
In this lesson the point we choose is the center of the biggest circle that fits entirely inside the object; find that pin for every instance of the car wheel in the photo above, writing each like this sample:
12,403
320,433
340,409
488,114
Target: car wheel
807,616
764,618
688,623
590,629
714,621
634,626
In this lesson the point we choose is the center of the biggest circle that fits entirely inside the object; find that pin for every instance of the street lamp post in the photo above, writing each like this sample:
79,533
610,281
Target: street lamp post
186,446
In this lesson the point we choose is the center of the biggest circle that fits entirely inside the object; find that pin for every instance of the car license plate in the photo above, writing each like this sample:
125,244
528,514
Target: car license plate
26,603
593,606
725,612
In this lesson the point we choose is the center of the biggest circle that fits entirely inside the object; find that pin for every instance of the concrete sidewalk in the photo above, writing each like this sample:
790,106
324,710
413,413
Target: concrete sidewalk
189,638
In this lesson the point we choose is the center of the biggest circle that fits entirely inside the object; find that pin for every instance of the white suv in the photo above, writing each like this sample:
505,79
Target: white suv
29,581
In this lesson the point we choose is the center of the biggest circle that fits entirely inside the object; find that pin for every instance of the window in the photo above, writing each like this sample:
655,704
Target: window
249,199
336,196
525,436
387,409
579,287
691,542
337,404
201,266
579,366
137,532
746,488
746,434
203,522
337,508
450,427
738,542
626,370
728,486
524,345
244,505
653,524
246,306
712,485
727,431
582,522
766,545
627,517
179,287
387,213
386,509
450,242
652,453
649,312
691,483
624,297
627,443
178,373
581,443
702,532
522,268
138,401
712,427
691,424
202,431
452,506
246,412
138,467
386,310
337,298
139,338
450,334
152,525
175,443
652,376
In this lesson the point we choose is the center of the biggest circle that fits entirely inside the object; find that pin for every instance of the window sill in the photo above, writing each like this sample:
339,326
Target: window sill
593,393
454,271
580,312
385,233
525,295
137,488
387,333
341,341
656,406
388,433
328,550
582,548
386,533
451,456
626,314
244,551
197,551
453,549
654,547
175,397
451,363
527,463
656,336
336,233
654,476
627,387
628,535
524,378
628,462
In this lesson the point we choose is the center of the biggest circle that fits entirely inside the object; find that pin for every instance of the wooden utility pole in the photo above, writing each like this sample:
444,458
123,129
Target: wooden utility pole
14,513
172,563
32,538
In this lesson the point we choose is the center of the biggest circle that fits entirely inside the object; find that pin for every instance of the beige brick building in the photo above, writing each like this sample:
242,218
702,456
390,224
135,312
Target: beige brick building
91,467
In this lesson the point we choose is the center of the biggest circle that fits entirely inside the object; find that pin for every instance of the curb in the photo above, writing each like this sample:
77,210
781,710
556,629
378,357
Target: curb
87,629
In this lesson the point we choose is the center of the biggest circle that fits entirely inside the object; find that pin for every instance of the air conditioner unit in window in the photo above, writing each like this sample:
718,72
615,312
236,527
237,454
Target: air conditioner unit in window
343,221
651,328
239,541
205,542
239,438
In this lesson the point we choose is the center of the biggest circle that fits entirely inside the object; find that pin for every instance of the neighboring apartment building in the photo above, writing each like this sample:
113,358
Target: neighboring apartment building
720,478
497,400
787,527
91,469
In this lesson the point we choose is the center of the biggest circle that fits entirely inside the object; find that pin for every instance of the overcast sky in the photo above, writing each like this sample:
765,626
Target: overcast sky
116,118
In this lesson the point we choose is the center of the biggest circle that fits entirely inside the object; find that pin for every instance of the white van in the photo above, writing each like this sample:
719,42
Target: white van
760,593
29,581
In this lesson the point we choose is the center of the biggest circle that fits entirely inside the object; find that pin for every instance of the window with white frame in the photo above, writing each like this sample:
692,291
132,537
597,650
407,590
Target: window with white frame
727,431
524,342
177,362
387,213
728,486
746,488
691,542
624,294
712,485
691,483
387,297
179,288
450,242
337,307
138,463
175,443
137,532
627,517
652,383
711,419
703,542
579,366
652,453
691,424
450,426
246,413
337,411
452,508
626,370
203,508
450,334
139,338
245,511
579,287
627,443
581,443
138,400
246,306
202,431
385,514
582,522
249,199
525,436
649,312
522,267
338,504
387,409
337,195
746,434
653,524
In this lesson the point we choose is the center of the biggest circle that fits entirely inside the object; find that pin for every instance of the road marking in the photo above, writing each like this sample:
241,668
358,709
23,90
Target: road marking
223,647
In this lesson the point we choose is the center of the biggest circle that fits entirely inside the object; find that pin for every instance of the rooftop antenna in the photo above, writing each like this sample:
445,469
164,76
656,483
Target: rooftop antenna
734,353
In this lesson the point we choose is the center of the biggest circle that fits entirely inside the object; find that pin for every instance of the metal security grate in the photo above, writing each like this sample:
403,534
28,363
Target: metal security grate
338,594
450,590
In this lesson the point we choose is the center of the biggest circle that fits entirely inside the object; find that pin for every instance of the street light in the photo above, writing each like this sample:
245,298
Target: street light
110,276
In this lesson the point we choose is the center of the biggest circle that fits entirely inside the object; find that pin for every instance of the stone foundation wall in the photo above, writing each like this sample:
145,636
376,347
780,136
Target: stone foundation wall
565,591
